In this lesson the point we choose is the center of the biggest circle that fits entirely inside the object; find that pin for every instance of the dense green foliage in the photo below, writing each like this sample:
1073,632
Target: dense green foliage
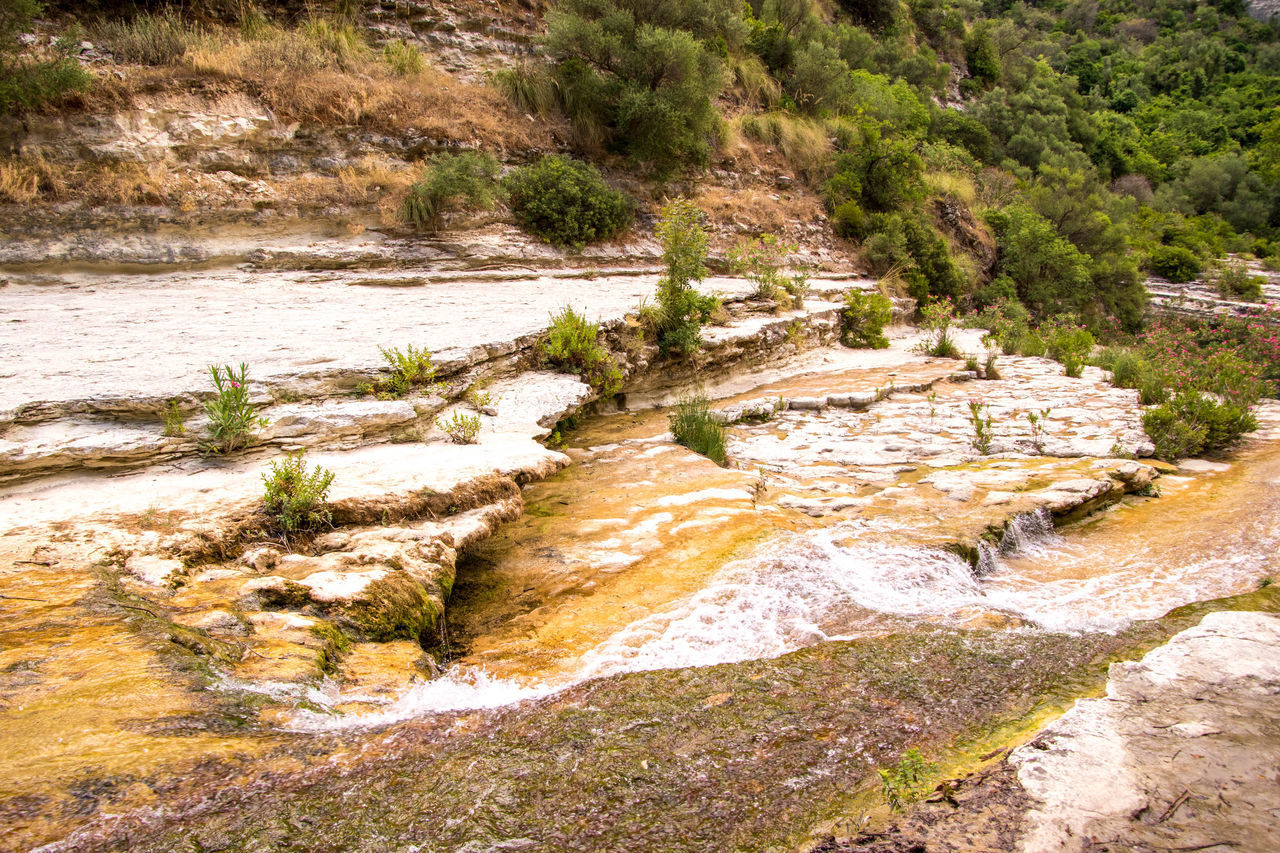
465,181
693,425
1096,137
566,202
863,318
572,345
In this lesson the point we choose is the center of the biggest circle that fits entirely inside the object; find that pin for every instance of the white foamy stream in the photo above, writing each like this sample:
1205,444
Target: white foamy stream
800,590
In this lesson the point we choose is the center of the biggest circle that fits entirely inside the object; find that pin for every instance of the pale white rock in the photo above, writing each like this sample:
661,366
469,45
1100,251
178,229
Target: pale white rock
152,569
336,418
333,586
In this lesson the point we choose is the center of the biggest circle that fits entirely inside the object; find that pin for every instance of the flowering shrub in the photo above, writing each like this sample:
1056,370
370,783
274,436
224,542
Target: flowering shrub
1204,377
232,418
1067,342
937,319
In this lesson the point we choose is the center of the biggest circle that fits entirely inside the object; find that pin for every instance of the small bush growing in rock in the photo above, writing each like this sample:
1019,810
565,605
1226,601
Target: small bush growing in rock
232,418
468,180
1234,281
906,781
863,318
695,428
1067,343
761,261
681,310
1005,322
295,498
461,428
937,319
981,424
410,368
566,202
572,345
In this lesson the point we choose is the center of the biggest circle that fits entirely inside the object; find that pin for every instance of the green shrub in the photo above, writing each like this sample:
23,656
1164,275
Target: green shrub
410,369
1193,422
404,59
937,319
572,345
27,83
461,428
147,39
1032,345
1006,323
863,318
1175,263
761,261
681,310
1234,281
232,418
1067,343
174,422
566,202
468,180
695,428
296,499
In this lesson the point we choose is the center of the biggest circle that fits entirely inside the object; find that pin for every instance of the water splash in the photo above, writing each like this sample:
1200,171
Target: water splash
1030,534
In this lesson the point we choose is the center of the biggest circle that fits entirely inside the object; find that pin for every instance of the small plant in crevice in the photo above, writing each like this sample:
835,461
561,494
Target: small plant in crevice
560,432
696,428
461,428
410,368
174,422
981,424
933,404
479,397
232,418
971,364
1038,421
572,345
761,261
297,499
937,319
863,318
906,781
989,371
1266,582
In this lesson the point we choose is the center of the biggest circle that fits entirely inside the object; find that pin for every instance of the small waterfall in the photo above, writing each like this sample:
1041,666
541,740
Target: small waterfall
1029,534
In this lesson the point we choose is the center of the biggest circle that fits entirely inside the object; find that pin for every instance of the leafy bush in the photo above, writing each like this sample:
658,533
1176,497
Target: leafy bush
232,418
147,39
410,369
631,75
461,428
468,180
1006,323
1193,422
863,318
566,202
694,427
681,310
1067,343
572,346
937,319
761,261
295,498
28,83
1175,263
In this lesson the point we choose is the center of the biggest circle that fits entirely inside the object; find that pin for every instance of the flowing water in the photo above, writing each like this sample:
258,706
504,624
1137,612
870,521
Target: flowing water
644,557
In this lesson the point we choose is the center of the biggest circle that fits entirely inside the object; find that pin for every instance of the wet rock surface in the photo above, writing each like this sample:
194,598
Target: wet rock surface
1180,754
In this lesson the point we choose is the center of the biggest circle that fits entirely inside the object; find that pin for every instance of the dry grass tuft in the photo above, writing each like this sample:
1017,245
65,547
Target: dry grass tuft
756,210
804,144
